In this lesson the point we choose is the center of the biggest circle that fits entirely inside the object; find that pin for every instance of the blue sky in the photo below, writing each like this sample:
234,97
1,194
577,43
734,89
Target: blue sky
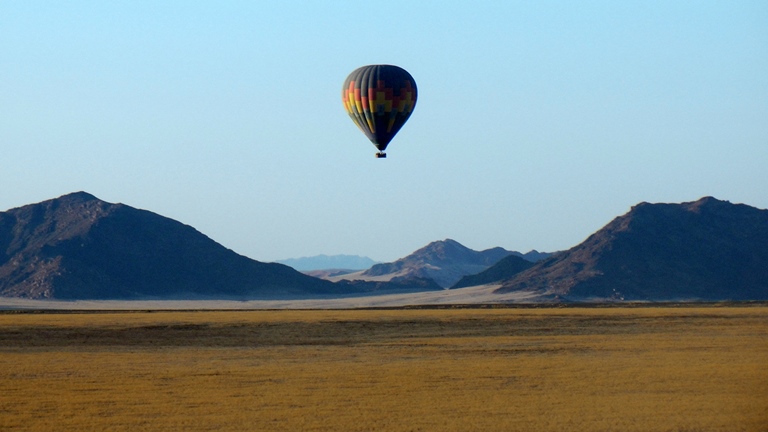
537,122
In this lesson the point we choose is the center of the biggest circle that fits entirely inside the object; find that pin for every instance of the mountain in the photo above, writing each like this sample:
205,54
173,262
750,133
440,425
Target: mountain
329,262
534,255
79,247
444,261
706,250
504,269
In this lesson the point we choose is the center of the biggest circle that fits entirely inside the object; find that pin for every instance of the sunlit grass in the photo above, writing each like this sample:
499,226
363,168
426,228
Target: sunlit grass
645,369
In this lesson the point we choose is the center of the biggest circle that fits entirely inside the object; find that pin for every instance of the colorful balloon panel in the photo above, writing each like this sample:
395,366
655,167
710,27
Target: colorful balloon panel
379,99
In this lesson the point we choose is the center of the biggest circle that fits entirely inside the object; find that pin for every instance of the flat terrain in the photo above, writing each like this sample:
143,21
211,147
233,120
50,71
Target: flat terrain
678,369
470,295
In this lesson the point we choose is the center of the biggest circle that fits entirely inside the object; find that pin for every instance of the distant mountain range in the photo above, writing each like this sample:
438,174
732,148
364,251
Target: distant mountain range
79,247
444,261
703,250
329,262
533,256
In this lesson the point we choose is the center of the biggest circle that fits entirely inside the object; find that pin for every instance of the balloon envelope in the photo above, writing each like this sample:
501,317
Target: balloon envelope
379,99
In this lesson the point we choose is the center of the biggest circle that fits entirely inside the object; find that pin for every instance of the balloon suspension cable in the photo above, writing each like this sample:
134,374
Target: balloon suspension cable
381,155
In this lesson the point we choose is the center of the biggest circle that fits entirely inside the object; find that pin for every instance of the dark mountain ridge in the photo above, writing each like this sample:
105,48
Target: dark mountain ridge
707,250
79,247
504,269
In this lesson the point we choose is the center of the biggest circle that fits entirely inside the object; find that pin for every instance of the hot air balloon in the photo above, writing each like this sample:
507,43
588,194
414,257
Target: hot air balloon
379,99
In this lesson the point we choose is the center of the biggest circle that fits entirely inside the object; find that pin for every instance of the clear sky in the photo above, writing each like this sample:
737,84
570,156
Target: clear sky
537,122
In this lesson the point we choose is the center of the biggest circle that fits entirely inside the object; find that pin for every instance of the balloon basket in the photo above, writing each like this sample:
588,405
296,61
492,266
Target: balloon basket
381,155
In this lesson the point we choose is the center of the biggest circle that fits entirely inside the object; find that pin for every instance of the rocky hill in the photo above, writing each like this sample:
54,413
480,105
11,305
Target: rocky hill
78,247
444,261
506,268
706,250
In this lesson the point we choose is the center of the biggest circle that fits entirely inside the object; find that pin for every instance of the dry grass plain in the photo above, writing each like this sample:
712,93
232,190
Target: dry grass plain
680,369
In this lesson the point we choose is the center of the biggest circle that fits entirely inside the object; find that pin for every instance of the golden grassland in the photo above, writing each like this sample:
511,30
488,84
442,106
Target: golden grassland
554,369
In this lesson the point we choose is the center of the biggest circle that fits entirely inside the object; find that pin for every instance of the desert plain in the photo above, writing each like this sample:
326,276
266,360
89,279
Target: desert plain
679,368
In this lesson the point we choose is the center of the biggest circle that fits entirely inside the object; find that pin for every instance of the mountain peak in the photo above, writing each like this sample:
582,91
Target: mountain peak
707,203
443,249
78,196
77,246
438,244
706,249
704,202
444,261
